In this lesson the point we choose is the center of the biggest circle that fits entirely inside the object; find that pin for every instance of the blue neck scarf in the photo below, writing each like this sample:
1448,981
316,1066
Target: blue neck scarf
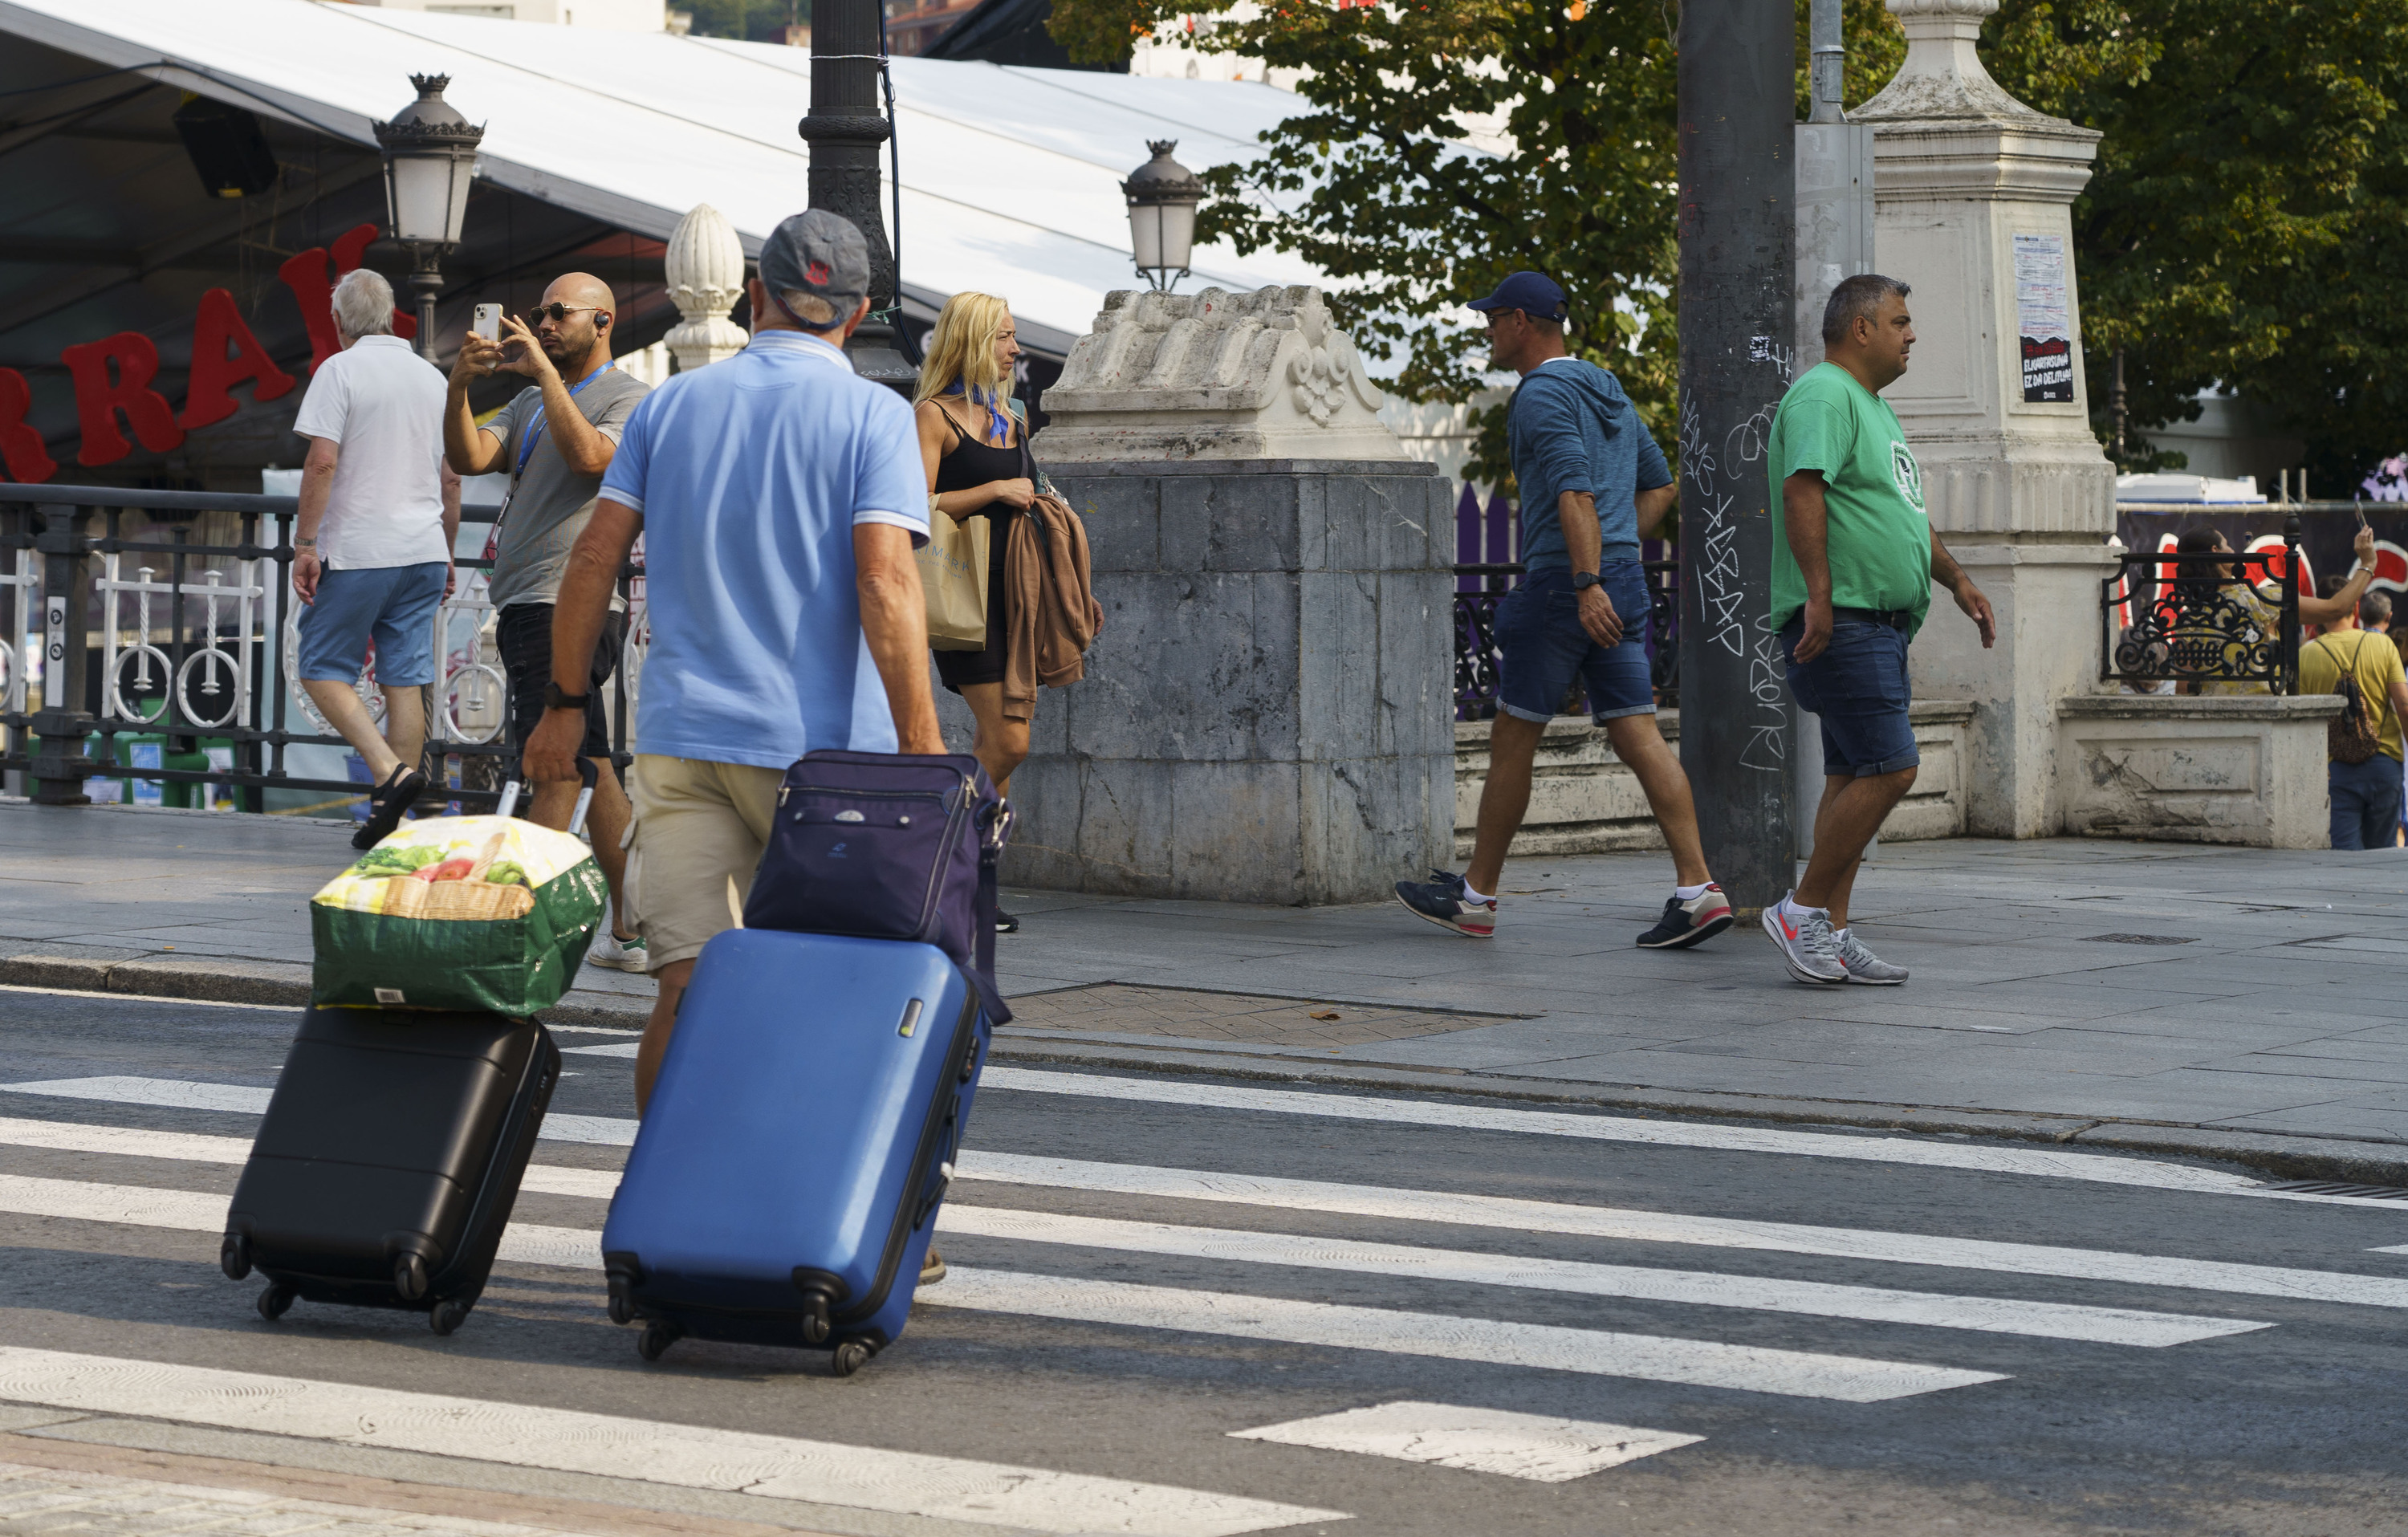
990,401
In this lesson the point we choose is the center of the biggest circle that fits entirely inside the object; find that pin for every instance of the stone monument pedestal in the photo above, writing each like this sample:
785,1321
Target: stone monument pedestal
1267,716
1973,194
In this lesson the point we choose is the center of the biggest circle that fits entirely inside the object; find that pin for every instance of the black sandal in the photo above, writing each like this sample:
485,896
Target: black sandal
386,804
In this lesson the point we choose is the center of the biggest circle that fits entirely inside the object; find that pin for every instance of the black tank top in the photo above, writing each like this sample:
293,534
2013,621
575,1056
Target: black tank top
969,464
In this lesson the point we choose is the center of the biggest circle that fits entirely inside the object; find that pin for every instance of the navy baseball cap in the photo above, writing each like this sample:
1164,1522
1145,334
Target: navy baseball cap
1531,293
817,253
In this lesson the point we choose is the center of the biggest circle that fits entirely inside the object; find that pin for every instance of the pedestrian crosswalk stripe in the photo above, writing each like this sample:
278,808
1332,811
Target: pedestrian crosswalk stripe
1452,1207
531,1245
617,1131
687,1456
2102,1168
1695,1363
1547,1217
1543,1449
1704,1288
169,1092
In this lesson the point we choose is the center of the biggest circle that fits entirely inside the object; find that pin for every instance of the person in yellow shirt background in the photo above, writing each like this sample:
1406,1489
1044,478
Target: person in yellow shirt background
2365,796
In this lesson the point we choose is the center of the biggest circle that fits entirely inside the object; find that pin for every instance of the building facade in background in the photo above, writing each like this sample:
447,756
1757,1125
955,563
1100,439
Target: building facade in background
611,15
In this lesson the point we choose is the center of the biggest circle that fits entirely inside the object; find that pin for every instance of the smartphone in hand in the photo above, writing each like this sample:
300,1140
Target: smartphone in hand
488,323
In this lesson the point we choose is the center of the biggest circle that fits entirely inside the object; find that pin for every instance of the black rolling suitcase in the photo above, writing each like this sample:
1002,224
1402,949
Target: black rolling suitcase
385,1169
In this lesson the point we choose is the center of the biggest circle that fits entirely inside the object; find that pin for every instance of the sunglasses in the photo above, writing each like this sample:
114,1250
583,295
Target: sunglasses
559,312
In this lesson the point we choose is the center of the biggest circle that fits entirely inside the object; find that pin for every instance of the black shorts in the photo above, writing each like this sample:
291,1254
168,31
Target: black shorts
525,637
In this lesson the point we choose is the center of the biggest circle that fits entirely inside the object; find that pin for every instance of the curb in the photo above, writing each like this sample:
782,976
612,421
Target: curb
276,984
2353,1160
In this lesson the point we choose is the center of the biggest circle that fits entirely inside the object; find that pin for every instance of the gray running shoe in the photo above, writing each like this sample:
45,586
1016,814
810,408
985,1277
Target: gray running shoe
1806,943
1863,965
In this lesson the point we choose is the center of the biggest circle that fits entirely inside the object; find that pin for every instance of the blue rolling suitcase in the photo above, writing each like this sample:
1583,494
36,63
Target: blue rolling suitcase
785,1185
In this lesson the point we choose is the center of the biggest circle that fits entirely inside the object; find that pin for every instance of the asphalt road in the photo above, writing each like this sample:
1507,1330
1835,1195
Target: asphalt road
1863,1333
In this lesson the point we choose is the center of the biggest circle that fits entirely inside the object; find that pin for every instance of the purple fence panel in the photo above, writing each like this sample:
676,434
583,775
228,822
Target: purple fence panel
1467,537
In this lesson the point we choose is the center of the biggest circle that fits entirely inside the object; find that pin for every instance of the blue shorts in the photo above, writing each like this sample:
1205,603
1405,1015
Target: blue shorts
1542,648
396,604
1858,687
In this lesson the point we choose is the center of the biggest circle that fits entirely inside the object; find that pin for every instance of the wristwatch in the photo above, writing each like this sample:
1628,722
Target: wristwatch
554,700
1584,580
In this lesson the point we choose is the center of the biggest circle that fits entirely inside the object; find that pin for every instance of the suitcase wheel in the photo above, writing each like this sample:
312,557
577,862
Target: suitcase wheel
621,1310
274,1300
234,1257
409,1277
851,1356
448,1315
656,1338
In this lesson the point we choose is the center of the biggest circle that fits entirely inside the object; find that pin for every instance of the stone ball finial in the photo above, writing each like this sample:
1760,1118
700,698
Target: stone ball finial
705,268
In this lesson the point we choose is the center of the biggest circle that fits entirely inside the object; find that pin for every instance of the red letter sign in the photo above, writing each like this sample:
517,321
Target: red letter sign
98,401
20,446
207,397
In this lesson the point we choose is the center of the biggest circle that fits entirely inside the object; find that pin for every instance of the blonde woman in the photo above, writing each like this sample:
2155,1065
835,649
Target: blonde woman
970,433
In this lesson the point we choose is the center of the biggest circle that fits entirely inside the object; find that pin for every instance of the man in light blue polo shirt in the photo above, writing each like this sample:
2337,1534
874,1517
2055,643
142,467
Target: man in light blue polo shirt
781,496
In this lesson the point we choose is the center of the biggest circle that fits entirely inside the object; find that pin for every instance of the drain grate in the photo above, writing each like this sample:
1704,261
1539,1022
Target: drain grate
2342,1187
2140,939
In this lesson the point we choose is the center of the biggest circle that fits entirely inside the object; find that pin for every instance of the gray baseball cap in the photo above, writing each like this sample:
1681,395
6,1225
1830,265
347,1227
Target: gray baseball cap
821,254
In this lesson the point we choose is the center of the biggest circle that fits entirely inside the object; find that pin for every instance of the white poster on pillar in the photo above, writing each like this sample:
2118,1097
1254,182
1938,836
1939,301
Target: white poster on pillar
2044,317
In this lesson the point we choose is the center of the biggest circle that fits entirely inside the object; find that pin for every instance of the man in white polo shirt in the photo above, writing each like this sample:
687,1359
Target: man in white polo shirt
372,553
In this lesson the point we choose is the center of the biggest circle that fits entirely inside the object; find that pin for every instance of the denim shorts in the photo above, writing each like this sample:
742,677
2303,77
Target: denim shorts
395,604
1542,647
1858,687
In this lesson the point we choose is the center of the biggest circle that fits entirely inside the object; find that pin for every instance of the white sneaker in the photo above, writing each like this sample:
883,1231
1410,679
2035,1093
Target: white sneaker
619,954
1806,942
1863,966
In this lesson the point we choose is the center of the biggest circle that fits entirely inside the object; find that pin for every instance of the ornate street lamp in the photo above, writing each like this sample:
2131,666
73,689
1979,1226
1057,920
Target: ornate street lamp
430,159
1162,197
844,130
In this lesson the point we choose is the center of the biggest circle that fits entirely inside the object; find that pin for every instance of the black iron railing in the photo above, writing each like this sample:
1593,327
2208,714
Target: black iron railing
183,632
2205,618
1475,634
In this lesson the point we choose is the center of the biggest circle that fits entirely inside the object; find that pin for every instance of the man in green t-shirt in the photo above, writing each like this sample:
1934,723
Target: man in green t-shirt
1854,558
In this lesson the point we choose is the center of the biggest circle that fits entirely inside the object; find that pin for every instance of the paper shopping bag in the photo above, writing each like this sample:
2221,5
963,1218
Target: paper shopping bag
953,574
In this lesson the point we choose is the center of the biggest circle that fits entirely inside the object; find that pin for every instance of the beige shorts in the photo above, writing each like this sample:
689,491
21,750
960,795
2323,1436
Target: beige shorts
698,833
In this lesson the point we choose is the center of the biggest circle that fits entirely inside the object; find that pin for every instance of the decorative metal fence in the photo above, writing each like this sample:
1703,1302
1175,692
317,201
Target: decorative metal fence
2194,619
195,644
1480,586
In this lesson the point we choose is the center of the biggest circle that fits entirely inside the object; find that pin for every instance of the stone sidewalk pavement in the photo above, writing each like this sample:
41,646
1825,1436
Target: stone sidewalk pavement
2227,1000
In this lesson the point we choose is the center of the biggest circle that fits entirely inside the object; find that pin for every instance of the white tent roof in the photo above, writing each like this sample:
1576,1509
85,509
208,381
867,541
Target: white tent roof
1011,177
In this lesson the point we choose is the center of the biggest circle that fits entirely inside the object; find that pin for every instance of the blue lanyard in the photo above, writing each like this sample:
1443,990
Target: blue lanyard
535,428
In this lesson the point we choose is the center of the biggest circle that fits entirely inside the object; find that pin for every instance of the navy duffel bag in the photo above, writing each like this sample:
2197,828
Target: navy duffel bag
888,846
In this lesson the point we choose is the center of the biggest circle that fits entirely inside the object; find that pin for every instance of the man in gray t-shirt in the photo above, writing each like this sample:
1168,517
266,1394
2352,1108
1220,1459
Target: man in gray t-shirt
554,440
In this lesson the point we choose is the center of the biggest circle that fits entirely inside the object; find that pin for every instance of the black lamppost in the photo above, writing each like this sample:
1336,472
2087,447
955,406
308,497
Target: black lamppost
430,159
844,129
1162,196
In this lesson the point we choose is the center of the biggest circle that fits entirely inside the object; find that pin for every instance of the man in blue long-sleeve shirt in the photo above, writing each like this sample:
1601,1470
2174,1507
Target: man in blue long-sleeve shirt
1592,484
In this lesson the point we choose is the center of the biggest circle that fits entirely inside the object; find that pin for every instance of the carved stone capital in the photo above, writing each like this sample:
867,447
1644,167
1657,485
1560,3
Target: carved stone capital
1215,375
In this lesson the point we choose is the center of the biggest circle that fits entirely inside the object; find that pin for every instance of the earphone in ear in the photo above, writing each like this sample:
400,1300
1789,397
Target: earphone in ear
602,316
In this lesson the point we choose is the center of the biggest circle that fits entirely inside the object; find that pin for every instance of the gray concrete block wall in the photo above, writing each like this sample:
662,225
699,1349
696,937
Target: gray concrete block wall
1267,716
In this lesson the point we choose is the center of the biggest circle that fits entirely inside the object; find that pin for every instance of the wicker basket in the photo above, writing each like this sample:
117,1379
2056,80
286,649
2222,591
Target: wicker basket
407,896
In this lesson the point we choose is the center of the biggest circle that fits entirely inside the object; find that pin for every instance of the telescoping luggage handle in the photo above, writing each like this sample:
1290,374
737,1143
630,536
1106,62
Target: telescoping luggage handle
588,777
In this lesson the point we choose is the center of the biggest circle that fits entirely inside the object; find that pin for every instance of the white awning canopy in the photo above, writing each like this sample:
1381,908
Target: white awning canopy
1009,176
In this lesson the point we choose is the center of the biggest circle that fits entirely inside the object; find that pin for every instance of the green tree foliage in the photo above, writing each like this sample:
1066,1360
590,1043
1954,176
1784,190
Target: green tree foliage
1367,181
762,20
2244,225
